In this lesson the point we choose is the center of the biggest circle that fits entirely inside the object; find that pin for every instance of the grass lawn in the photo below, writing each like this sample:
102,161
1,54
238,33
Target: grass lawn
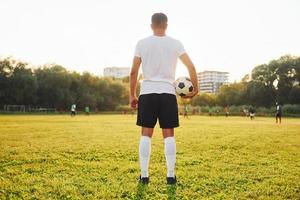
95,157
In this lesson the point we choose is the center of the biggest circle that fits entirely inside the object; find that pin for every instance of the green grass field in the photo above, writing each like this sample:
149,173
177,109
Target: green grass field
95,157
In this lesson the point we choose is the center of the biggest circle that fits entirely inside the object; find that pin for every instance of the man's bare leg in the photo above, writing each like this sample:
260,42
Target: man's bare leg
147,132
168,132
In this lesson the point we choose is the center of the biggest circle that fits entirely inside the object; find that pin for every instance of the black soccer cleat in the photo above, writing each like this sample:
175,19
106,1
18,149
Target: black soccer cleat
144,180
171,180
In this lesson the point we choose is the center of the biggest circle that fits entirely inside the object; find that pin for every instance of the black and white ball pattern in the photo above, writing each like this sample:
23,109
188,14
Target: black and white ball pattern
183,86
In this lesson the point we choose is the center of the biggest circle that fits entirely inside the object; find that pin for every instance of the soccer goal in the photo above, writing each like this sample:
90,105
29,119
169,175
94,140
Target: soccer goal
14,108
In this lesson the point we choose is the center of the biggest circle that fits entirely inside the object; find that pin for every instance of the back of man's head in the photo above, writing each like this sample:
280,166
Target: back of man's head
159,20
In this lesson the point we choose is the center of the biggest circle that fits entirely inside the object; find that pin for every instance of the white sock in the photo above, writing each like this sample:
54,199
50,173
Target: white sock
144,153
170,153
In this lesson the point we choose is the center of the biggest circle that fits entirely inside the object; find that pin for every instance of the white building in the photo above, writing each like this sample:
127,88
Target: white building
211,81
116,72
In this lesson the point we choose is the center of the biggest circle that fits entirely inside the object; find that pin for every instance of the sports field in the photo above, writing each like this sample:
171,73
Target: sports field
95,157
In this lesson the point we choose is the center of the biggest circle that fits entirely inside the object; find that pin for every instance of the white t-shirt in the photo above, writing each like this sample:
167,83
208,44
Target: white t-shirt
159,58
73,107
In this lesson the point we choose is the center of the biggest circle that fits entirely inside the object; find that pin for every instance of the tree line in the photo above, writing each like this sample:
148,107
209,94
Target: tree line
268,84
53,86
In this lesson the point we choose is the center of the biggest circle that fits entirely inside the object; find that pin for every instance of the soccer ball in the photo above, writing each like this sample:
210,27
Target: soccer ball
183,86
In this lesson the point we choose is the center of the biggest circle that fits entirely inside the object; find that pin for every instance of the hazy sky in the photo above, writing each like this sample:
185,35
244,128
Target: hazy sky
87,35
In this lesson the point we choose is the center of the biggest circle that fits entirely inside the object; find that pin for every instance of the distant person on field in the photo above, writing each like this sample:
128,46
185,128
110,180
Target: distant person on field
226,110
252,112
245,112
87,110
158,55
73,110
278,113
185,111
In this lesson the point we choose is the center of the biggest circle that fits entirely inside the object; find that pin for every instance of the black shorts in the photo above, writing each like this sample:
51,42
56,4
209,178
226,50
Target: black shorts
278,114
161,106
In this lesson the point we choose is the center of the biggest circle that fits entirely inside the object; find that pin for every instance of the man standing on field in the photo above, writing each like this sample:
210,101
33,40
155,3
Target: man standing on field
158,55
278,112
73,110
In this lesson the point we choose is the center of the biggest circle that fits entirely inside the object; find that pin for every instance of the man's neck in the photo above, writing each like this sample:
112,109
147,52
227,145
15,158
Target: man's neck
159,34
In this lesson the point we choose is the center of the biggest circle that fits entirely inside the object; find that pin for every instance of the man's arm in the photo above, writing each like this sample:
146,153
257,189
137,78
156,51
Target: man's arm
133,81
185,59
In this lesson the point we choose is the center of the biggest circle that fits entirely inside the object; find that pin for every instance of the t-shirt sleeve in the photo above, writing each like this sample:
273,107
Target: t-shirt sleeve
137,51
180,49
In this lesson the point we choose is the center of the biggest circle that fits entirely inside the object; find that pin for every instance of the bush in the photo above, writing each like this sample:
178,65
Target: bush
235,109
123,108
291,109
265,111
204,109
216,109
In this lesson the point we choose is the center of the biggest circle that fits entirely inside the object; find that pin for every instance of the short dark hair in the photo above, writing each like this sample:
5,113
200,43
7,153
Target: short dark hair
158,19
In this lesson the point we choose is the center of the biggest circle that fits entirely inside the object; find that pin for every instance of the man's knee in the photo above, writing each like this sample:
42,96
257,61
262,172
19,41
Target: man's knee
168,132
147,131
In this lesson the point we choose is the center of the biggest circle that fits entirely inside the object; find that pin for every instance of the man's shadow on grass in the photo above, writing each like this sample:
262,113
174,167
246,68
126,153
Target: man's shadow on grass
171,190
140,191
142,188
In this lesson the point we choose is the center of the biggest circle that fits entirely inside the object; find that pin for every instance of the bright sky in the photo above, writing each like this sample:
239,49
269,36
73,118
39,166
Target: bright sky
88,35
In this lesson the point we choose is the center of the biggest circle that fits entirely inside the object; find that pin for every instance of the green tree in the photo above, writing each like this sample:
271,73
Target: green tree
232,94
294,95
6,70
204,99
54,87
257,94
279,76
22,85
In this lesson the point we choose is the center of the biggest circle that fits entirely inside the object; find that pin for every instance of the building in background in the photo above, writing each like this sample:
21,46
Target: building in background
116,72
211,81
